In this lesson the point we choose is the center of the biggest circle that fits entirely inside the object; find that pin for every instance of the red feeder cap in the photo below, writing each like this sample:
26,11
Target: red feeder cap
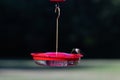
57,0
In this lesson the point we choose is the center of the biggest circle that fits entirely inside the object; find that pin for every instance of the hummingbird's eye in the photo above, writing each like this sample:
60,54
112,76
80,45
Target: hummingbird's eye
77,50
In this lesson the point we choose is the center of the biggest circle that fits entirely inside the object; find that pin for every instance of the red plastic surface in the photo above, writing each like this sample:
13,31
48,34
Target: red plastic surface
54,56
57,0
60,59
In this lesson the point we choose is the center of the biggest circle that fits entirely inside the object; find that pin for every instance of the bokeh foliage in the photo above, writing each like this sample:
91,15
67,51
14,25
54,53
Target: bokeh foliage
91,25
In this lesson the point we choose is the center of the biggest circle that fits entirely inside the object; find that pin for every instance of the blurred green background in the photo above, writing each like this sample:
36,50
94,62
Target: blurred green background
86,70
29,26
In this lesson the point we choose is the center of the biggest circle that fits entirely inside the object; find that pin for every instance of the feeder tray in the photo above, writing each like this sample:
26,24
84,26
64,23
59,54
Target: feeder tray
60,59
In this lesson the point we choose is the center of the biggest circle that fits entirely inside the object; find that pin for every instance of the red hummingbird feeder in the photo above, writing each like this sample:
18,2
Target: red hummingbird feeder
57,59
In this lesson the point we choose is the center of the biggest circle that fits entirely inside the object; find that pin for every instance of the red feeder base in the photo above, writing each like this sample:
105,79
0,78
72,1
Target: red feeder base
60,59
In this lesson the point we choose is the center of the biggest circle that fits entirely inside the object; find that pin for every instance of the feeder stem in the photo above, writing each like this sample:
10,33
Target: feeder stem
57,10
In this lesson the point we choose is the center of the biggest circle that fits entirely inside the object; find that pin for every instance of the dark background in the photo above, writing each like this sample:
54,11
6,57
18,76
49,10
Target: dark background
29,26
